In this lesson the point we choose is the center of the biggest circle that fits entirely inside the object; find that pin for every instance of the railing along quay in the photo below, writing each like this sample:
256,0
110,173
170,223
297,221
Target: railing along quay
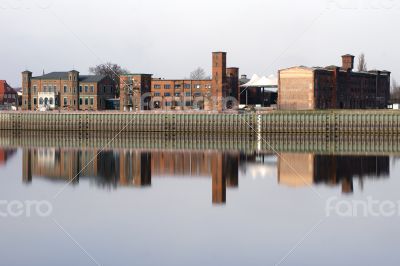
292,122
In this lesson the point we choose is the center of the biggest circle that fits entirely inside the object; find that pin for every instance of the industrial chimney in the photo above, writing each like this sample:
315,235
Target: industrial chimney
348,62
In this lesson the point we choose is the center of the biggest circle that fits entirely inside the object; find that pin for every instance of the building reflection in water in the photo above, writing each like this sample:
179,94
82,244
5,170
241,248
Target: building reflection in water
135,168
5,155
132,168
308,169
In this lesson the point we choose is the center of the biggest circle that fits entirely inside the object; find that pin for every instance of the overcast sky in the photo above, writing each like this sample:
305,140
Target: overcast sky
171,38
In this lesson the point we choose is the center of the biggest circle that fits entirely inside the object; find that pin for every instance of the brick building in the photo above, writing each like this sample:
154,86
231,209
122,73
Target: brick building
305,88
67,90
181,94
8,96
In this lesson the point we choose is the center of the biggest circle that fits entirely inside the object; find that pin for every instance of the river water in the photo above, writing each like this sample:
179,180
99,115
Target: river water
64,204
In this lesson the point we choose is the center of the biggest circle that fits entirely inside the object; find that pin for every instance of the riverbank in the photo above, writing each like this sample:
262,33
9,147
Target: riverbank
354,144
288,122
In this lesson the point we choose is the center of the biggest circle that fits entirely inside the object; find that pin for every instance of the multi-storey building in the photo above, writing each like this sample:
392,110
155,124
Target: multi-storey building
305,88
142,92
67,90
8,96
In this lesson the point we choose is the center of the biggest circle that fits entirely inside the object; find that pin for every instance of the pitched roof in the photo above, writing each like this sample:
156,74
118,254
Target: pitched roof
54,75
91,78
5,88
64,76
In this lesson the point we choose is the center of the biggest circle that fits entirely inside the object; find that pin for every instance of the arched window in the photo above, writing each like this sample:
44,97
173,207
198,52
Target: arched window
46,101
51,101
41,101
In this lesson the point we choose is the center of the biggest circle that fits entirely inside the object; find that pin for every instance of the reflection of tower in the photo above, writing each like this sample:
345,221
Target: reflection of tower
347,186
27,166
218,179
232,170
123,179
135,168
225,171
142,170
70,165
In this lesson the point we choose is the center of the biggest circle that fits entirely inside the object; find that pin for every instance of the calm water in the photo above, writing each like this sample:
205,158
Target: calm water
195,207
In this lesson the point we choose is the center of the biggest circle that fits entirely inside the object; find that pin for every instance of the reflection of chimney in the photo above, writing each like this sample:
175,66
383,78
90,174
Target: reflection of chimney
218,179
348,62
347,186
141,164
27,166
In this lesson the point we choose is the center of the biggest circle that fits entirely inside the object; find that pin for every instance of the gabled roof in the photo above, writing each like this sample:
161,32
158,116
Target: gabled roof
5,88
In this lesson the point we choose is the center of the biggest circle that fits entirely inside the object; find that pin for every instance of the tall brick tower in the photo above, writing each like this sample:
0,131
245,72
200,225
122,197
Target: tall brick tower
218,79
348,62
26,90
72,93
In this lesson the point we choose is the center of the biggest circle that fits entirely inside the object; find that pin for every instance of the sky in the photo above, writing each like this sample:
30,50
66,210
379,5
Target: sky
171,38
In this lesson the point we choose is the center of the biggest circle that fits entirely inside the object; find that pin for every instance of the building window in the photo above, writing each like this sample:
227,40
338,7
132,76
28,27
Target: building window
86,88
188,94
91,101
187,86
157,86
197,94
157,94
177,94
34,101
189,103
167,86
177,86
34,88
41,101
80,88
45,88
86,101
168,103
80,101
167,94
197,86
65,88
55,88
65,101
91,88
51,101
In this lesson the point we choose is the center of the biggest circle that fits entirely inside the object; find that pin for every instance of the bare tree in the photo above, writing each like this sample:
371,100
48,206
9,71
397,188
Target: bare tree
395,91
362,64
111,70
198,74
